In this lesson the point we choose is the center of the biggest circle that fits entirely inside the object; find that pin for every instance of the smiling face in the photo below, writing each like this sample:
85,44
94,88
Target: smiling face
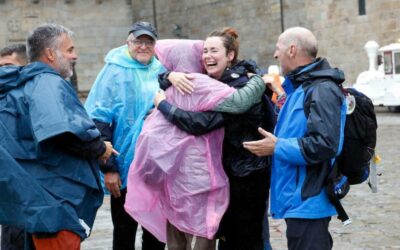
65,56
141,48
215,57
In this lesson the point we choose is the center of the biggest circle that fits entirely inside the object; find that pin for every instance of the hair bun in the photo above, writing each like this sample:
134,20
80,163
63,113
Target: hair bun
230,31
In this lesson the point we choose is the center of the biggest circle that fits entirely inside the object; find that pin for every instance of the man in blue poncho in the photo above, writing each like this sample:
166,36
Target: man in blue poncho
13,54
49,146
118,102
12,237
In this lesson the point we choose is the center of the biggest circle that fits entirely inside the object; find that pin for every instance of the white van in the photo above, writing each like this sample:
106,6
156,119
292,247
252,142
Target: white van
382,84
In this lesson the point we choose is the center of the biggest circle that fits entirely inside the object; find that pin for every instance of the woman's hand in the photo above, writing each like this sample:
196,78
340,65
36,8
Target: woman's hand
273,83
181,82
160,96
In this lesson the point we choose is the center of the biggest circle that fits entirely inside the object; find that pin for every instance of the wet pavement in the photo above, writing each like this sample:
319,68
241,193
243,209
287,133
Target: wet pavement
375,216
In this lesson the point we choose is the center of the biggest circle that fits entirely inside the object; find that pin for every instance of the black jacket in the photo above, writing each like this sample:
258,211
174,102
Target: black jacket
321,106
237,161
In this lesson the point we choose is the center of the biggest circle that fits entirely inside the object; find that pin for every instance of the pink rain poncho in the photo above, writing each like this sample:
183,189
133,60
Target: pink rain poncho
175,176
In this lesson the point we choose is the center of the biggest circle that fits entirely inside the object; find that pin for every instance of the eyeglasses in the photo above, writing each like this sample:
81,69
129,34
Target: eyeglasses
147,43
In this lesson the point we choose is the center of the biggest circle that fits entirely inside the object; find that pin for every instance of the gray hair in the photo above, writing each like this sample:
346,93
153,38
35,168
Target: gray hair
130,37
303,38
43,37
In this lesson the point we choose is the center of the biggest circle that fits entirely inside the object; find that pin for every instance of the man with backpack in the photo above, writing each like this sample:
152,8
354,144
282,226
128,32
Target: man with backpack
308,136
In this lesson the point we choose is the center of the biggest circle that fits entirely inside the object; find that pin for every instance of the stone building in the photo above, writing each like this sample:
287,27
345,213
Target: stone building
98,26
341,26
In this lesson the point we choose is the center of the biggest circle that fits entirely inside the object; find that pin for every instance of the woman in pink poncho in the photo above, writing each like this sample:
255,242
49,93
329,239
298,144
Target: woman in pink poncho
177,179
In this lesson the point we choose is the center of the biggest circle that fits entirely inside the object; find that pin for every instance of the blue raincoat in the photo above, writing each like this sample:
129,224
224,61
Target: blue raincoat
122,95
43,188
307,144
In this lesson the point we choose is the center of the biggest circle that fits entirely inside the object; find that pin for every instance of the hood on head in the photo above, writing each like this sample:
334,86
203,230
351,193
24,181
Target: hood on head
181,55
14,76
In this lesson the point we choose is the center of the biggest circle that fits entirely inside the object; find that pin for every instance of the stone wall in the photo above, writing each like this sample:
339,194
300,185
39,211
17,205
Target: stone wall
342,32
99,25
257,22
339,28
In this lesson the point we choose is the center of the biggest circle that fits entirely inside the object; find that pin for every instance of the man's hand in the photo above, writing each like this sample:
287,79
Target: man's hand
181,82
113,183
109,150
160,96
263,147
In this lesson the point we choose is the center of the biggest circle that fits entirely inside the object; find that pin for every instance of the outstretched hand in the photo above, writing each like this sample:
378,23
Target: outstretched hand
263,147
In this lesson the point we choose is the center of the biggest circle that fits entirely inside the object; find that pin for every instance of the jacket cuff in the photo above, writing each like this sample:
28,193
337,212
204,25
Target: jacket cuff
101,147
163,80
109,166
166,109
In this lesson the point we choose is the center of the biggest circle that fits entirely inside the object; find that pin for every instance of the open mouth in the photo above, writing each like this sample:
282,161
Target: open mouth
211,64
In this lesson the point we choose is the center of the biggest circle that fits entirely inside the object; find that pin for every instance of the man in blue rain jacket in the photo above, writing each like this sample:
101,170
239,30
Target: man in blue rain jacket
308,136
48,146
14,54
118,102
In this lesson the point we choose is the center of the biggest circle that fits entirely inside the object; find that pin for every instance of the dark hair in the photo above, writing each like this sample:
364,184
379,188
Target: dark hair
43,37
13,48
230,40
19,49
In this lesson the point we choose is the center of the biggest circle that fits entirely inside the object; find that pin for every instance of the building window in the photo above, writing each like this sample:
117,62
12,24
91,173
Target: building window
361,7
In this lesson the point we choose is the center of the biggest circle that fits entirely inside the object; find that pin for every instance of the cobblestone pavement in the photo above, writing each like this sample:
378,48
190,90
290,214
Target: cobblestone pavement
375,216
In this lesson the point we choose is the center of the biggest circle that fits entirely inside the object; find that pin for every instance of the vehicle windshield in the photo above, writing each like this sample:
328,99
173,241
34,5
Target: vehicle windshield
387,58
397,62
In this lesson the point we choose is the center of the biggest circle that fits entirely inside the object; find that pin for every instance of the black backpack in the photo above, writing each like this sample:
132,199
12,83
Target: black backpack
352,165
359,139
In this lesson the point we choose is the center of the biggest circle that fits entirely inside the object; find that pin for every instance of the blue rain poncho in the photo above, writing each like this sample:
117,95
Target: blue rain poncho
43,188
122,95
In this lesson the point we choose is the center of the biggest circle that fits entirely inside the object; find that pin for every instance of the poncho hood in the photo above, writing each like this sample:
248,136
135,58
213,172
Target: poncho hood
14,76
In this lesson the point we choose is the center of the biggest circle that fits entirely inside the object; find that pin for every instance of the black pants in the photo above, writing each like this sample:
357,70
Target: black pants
241,225
125,228
308,234
12,238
